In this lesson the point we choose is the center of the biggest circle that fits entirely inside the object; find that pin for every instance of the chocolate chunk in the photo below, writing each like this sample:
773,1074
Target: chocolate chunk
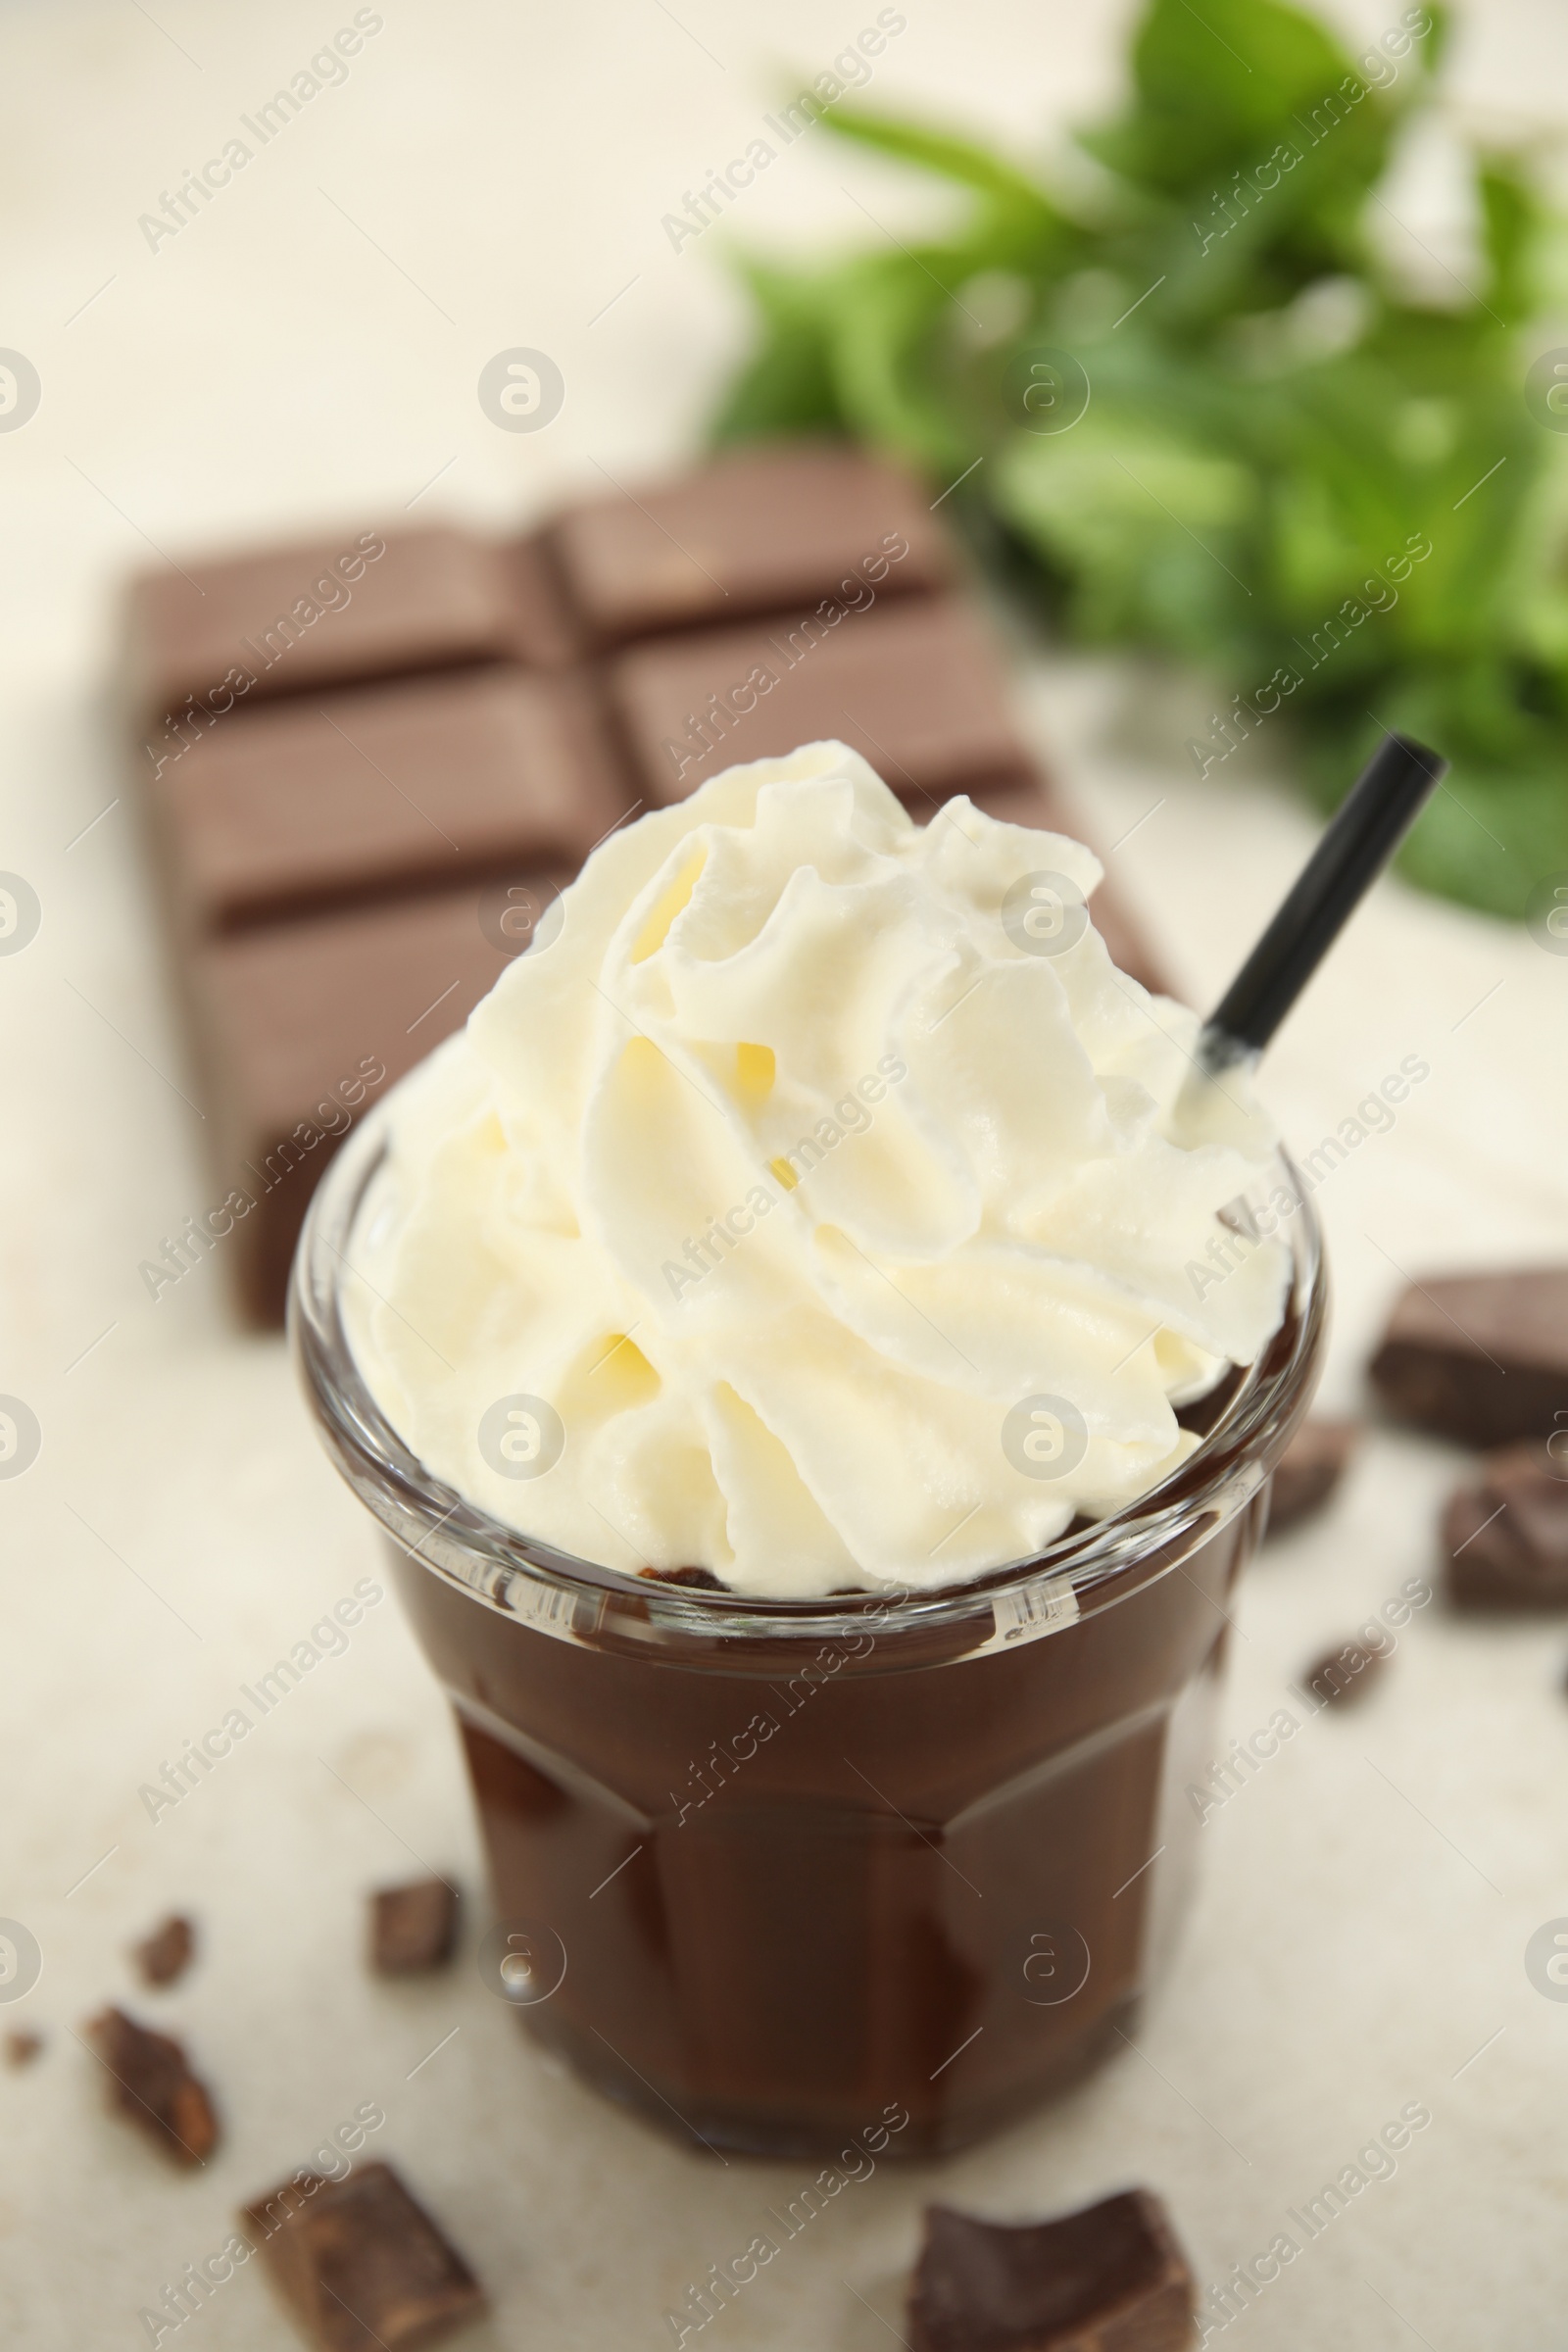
207,639
914,687
1036,803
1309,1470
700,1580
22,2048
1479,1357
413,1927
1341,1677
770,529
1110,2278
359,2264
1507,1540
302,1026
154,2088
398,789
167,1952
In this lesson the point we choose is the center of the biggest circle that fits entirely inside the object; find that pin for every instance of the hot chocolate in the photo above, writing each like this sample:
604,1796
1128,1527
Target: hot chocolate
805,1797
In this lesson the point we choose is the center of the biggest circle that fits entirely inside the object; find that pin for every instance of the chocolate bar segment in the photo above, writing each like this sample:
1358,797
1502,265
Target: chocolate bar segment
1309,1471
413,1927
1506,1539
205,639
774,528
1110,2278
914,687
305,1025
1482,1358
151,2083
400,788
361,2264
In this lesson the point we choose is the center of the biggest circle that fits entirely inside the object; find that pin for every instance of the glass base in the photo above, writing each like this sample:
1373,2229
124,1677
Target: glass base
724,2131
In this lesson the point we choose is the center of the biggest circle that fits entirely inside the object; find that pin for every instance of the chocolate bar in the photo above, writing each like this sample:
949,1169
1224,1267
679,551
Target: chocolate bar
359,2264
1108,2279
370,766
151,2083
1308,1472
1506,1538
1479,1357
164,1956
414,1927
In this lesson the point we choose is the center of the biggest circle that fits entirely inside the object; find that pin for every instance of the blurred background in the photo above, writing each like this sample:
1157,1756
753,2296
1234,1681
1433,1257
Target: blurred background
304,353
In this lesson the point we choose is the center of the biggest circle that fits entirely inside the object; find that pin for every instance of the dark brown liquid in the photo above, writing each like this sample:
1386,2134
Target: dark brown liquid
837,1888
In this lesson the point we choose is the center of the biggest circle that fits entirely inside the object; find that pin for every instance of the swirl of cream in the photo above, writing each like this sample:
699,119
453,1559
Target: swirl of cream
783,1174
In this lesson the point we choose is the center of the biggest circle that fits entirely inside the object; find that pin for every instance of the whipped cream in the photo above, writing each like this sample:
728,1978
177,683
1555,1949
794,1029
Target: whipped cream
805,1208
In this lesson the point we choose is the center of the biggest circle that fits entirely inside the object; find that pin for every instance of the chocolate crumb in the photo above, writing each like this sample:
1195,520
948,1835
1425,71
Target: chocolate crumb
1309,1470
154,2088
1342,1676
1109,2276
359,2264
165,1955
700,1580
413,1927
22,2048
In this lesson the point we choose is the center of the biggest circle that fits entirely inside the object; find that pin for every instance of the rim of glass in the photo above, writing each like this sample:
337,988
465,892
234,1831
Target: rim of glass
521,1576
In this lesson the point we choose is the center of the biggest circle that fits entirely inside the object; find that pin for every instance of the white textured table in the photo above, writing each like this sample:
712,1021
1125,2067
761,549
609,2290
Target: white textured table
305,349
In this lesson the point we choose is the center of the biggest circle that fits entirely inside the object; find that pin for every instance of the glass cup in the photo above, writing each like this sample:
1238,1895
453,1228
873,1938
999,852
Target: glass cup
777,1872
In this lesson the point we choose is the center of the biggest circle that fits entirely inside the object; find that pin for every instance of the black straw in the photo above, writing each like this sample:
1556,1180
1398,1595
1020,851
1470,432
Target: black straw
1371,822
